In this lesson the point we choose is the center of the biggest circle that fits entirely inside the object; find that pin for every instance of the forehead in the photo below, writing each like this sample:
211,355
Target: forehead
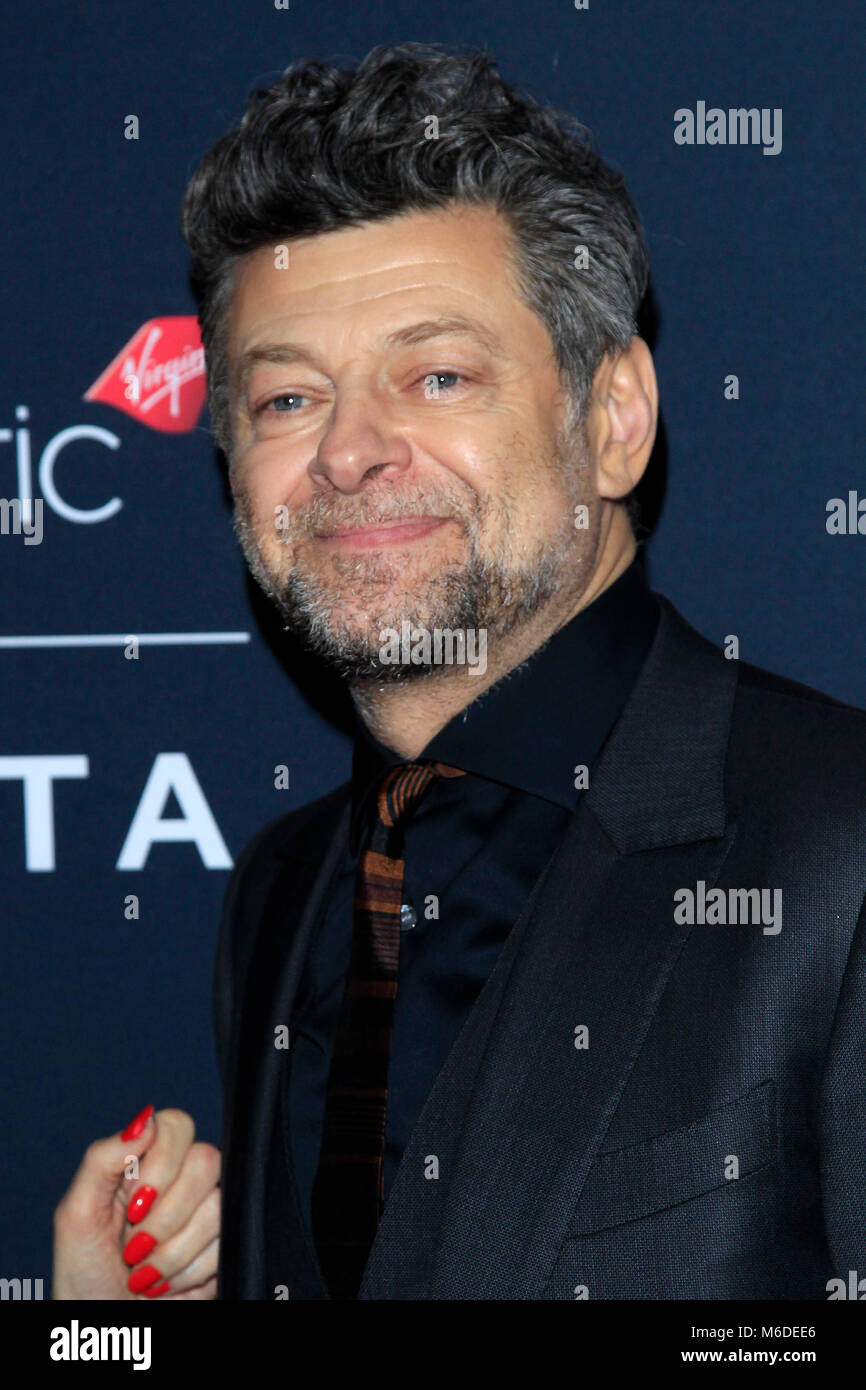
367,275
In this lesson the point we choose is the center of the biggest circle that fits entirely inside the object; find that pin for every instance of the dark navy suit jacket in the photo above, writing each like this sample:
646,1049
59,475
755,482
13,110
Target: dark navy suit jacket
710,1140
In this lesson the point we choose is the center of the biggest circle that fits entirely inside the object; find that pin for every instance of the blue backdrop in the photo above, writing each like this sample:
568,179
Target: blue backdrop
757,274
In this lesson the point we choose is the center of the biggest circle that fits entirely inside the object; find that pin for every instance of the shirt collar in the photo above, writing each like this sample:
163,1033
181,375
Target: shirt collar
550,715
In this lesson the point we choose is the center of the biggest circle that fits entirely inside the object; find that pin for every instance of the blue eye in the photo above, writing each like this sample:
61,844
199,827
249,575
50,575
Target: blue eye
289,396
433,381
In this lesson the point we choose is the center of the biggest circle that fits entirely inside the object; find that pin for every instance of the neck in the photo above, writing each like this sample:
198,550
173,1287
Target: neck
405,717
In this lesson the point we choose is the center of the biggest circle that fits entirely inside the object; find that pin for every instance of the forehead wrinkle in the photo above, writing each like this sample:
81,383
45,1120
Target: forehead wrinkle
372,296
420,258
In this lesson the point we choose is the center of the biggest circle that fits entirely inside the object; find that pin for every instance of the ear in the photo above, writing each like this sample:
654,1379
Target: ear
623,418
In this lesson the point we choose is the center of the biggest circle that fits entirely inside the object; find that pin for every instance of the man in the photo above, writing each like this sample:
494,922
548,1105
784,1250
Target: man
561,996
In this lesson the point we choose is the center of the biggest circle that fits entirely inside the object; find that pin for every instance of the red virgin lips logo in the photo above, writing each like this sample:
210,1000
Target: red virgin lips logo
158,378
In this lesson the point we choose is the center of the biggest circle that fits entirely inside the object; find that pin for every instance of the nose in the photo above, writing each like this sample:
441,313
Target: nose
359,442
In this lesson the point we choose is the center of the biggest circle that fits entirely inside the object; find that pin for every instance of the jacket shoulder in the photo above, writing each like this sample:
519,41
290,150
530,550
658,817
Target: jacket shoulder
282,834
763,696
793,751
799,745
782,688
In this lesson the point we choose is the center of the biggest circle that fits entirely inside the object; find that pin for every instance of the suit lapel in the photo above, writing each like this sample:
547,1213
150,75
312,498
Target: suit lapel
518,1113
596,956
303,871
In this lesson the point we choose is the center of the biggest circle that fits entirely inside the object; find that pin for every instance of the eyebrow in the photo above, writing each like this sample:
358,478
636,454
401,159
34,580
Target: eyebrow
450,325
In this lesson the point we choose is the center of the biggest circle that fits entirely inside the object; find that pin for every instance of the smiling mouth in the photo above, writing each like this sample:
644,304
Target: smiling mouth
395,532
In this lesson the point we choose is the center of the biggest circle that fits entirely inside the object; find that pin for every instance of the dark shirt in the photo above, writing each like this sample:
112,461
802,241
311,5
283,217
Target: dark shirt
474,849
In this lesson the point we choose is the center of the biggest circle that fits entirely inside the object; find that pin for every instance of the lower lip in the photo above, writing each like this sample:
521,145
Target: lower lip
398,533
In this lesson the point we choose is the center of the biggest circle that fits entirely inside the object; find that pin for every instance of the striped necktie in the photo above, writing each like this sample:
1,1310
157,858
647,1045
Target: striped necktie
348,1192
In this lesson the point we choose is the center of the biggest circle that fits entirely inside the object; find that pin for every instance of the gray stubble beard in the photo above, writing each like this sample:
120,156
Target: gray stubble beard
494,593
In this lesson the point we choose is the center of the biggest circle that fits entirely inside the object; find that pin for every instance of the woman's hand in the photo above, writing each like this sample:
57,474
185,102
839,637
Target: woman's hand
141,1217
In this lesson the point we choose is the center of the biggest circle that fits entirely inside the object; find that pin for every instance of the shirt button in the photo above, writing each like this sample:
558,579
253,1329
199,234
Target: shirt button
408,917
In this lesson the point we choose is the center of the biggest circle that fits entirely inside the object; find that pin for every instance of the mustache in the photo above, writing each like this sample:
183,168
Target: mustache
328,513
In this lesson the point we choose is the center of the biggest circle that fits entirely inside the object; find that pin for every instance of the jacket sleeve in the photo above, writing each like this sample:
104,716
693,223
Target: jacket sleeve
843,1118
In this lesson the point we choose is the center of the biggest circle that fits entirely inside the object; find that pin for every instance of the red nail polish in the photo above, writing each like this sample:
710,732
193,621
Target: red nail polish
142,1279
141,1204
138,1247
136,1128
155,1292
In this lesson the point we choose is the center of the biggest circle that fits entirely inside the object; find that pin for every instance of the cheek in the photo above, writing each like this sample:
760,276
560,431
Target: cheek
271,476
523,471
478,452
541,501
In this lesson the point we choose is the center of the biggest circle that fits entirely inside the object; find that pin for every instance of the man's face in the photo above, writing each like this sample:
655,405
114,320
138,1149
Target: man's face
400,437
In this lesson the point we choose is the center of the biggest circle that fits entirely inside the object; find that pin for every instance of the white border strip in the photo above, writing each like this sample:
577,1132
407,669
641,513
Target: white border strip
110,639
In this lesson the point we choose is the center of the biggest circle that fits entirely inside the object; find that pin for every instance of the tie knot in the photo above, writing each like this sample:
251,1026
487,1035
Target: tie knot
404,786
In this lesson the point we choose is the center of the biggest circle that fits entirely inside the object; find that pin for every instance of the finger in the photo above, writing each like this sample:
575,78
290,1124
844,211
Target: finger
89,1199
197,1272
182,1244
161,1165
199,1175
208,1290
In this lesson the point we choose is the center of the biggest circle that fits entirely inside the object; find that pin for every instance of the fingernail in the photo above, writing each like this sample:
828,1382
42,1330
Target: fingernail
154,1293
142,1279
136,1128
141,1204
138,1247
